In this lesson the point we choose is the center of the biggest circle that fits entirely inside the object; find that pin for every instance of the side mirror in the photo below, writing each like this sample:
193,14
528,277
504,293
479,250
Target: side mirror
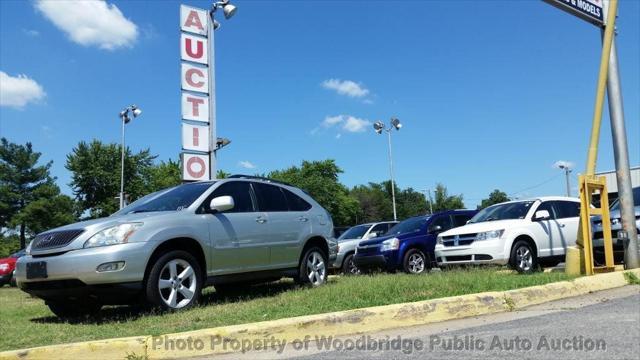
372,235
436,229
222,203
541,215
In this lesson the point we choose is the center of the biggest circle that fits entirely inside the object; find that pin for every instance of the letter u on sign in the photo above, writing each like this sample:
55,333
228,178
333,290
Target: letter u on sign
194,48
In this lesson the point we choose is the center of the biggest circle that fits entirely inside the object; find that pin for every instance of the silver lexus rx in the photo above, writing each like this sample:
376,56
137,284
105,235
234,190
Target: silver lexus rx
165,247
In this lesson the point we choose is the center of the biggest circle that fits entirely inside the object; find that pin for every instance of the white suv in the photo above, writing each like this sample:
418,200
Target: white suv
523,234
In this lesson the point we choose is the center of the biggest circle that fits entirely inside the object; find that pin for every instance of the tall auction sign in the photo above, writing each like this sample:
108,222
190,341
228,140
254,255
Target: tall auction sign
198,99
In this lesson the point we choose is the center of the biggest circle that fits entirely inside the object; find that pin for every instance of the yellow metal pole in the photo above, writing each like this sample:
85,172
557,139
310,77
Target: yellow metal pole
602,83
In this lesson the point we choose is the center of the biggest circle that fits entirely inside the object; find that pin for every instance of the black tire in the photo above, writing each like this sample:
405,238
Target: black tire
523,258
74,309
312,255
349,267
161,268
415,262
12,281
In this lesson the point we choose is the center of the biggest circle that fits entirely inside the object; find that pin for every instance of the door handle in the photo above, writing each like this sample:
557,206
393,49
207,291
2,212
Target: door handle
563,225
303,219
261,220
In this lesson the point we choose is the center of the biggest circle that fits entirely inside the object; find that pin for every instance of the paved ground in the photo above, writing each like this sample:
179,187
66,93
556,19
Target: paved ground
603,325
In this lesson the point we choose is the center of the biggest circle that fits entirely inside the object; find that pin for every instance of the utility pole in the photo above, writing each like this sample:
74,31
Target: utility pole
629,233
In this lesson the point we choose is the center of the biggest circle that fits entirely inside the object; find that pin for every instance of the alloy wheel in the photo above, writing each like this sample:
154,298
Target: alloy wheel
177,283
524,258
316,269
416,263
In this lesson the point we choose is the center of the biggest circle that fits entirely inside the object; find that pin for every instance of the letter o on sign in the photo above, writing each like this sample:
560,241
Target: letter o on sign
196,167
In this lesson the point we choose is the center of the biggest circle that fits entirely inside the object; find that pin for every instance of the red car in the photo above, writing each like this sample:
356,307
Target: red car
8,267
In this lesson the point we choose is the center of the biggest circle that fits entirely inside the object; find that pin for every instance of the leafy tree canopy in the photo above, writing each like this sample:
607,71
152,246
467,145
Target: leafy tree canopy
495,197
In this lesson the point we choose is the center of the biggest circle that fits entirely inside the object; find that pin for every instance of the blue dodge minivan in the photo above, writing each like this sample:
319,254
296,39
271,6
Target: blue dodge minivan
409,246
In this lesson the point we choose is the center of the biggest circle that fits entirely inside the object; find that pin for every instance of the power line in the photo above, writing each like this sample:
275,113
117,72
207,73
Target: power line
537,185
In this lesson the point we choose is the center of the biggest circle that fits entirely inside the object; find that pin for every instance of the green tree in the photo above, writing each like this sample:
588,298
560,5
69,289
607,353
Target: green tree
320,180
410,203
95,178
26,188
443,201
374,203
163,175
495,197
221,174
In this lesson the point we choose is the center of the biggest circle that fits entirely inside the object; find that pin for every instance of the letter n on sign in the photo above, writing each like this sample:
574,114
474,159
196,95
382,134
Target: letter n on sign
195,167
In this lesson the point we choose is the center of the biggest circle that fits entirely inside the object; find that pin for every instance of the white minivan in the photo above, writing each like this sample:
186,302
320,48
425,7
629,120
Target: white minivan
524,234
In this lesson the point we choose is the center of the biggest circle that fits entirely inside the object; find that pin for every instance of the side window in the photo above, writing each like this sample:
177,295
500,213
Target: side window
460,220
443,221
270,197
567,209
379,229
296,203
240,191
389,226
547,206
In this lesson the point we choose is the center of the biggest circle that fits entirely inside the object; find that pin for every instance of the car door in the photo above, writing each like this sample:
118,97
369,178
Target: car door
568,218
289,224
238,235
546,231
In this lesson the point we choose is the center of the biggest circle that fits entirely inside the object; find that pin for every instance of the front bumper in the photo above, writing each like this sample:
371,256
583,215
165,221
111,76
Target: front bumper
479,252
81,265
337,263
370,261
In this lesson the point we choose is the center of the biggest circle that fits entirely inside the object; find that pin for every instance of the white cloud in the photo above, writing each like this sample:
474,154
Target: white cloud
329,121
343,123
562,164
90,22
31,32
18,91
353,124
346,87
246,164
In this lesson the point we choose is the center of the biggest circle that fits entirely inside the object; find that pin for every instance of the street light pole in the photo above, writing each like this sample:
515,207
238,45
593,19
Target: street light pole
379,127
125,119
566,166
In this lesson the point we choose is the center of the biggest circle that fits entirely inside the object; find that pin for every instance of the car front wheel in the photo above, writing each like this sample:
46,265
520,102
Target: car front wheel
313,267
349,266
415,262
523,259
175,281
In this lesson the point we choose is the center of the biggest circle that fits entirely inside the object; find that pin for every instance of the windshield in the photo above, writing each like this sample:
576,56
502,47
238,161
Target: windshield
636,200
172,199
356,232
407,226
506,211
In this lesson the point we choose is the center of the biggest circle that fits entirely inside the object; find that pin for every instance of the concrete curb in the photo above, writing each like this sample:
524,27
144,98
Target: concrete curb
350,322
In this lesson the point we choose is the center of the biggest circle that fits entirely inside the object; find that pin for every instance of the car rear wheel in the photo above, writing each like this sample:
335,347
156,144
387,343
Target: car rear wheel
349,266
313,268
174,282
523,258
415,262
74,309
12,281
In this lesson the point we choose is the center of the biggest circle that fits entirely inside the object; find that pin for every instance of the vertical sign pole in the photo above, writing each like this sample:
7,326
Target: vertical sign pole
212,99
393,186
621,158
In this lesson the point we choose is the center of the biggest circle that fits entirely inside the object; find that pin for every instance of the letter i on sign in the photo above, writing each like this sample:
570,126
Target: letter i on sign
195,136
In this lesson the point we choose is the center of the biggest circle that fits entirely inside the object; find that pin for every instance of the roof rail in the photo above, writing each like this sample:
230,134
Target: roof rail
251,177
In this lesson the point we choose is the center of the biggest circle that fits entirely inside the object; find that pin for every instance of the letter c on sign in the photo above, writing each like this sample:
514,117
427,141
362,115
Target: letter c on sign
189,77
193,161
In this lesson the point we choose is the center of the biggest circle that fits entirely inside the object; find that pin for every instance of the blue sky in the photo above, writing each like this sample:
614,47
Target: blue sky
490,93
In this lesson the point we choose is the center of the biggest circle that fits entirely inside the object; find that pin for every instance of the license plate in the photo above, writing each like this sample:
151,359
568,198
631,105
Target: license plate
37,270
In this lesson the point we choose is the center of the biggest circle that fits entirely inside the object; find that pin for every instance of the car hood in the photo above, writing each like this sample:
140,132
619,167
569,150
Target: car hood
380,239
483,226
615,214
105,222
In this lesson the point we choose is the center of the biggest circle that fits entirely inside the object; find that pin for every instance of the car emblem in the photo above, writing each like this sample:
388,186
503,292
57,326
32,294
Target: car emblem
456,240
46,240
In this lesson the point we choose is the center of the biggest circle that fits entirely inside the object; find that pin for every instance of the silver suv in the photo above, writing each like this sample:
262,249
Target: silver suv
349,240
165,247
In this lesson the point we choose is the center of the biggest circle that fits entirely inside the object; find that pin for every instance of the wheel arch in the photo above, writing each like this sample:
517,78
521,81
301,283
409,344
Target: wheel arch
318,241
529,239
187,244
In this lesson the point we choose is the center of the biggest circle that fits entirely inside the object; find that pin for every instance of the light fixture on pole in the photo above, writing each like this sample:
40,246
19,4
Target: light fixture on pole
379,127
566,166
125,118
228,10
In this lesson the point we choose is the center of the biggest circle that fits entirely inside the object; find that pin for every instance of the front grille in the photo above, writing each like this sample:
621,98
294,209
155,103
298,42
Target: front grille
458,240
54,239
371,249
600,235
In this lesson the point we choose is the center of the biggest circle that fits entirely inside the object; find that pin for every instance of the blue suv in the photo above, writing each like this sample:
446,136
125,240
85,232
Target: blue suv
409,246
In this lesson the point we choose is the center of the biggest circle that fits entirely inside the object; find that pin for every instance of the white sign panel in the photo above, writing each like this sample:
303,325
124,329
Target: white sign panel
195,107
193,20
195,78
195,167
194,48
195,137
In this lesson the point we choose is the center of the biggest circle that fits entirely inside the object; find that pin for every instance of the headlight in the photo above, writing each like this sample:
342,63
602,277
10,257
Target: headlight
27,251
114,235
390,244
439,240
488,235
4,267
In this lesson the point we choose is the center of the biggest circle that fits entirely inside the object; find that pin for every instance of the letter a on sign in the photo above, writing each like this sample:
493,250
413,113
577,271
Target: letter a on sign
194,48
193,20
195,167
